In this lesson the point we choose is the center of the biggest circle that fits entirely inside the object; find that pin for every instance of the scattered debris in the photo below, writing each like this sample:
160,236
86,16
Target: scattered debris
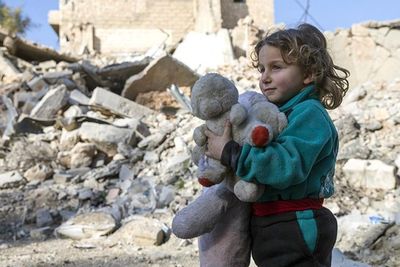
87,225
104,152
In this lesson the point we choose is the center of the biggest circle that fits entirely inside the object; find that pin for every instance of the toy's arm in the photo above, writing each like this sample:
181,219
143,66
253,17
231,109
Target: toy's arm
198,135
197,153
238,114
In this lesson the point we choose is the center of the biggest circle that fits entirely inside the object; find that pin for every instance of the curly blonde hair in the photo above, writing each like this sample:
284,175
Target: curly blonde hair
306,46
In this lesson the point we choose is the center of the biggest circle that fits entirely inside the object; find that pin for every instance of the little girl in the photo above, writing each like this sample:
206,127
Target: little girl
289,225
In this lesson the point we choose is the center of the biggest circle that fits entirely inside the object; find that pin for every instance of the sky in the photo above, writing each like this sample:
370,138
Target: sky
328,15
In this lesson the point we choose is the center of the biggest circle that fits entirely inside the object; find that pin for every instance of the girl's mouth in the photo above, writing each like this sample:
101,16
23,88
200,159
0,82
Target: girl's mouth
268,89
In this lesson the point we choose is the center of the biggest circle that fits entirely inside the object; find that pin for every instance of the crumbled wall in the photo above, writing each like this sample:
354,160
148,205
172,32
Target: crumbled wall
262,12
118,27
370,51
122,26
208,15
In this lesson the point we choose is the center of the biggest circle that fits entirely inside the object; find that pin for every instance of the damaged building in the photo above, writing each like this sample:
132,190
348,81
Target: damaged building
137,25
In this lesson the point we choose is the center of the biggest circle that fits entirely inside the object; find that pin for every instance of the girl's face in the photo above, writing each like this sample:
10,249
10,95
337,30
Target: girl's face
279,81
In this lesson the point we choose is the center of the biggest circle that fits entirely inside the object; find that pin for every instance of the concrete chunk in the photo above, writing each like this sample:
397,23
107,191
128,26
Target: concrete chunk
43,218
124,70
77,97
118,104
358,231
12,116
48,64
9,179
39,172
158,76
106,137
87,225
54,76
8,72
31,51
141,231
373,174
23,98
37,84
51,103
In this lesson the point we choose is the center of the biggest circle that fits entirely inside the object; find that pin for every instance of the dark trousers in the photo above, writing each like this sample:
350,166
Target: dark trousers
294,239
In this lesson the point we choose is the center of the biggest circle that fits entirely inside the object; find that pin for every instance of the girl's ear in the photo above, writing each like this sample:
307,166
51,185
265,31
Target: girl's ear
308,78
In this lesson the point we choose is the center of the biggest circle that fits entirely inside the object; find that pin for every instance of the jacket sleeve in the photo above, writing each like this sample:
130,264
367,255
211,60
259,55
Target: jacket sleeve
230,155
288,160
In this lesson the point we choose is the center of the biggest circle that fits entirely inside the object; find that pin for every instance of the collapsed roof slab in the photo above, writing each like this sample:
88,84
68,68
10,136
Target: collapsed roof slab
31,51
160,74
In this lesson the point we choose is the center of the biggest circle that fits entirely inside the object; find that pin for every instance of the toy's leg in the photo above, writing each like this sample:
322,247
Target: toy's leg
200,216
210,171
229,243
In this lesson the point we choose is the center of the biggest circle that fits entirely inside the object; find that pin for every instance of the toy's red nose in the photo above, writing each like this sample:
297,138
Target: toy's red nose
205,182
260,136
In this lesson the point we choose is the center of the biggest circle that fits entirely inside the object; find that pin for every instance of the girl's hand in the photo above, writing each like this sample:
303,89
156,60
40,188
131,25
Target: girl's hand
216,143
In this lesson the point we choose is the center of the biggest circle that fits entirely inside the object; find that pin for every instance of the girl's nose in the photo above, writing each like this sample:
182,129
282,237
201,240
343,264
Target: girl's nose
265,78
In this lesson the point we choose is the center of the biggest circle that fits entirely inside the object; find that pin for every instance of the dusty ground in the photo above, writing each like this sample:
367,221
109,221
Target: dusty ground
63,252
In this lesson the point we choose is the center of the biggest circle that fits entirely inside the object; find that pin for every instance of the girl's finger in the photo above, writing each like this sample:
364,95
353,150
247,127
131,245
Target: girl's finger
228,129
208,133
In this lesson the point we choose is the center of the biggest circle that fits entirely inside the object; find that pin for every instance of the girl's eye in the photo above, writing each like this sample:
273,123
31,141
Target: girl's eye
276,67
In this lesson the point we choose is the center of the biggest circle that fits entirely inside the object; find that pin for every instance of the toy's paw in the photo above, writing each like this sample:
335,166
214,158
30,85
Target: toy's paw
248,192
205,182
260,136
198,135
238,114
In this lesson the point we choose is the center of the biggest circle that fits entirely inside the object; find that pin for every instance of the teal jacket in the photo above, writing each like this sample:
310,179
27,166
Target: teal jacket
300,162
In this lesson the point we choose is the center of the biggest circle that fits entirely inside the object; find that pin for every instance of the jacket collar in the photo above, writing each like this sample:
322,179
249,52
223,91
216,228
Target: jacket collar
306,93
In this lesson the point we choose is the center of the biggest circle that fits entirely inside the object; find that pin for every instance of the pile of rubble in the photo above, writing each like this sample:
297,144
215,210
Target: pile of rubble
92,150
70,146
